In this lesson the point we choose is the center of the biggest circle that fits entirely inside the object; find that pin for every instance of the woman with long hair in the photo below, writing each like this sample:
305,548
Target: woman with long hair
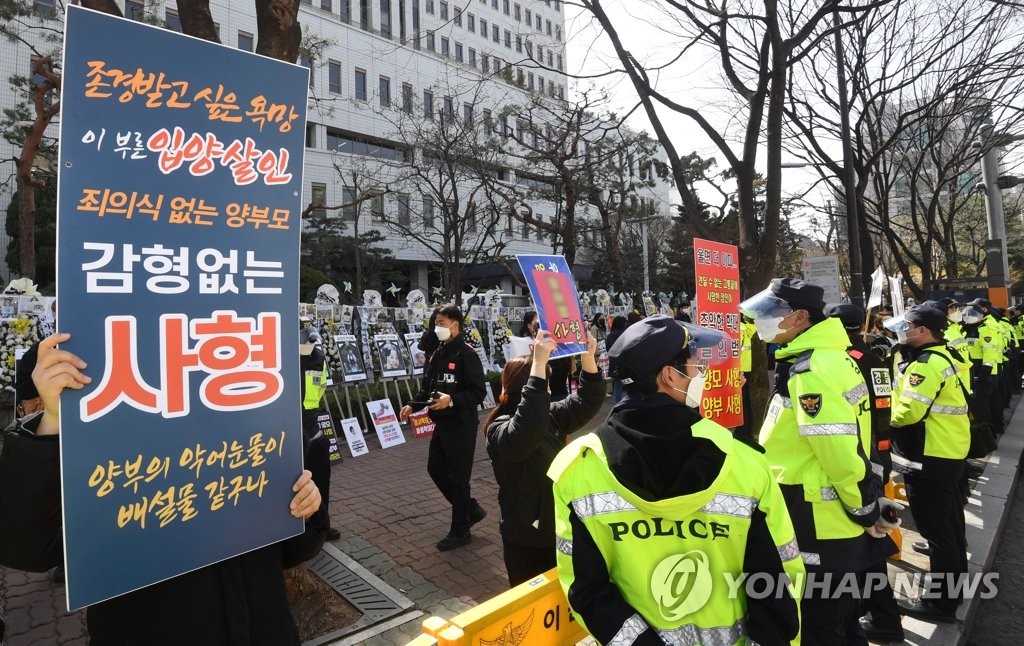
524,433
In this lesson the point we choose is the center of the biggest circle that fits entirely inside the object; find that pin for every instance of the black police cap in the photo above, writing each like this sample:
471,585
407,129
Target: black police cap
930,317
947,302
851,315
646,346
982,302
800,294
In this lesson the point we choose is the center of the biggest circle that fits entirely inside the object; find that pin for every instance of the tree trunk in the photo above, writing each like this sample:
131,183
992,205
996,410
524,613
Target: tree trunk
280,35
196,19
26,223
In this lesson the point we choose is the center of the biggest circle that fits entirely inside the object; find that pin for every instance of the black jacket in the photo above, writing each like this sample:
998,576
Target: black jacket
237,602
522,447
454,368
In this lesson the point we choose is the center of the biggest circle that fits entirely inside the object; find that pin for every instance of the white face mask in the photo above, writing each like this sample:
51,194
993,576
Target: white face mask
768,328
956,316
443,333
694,392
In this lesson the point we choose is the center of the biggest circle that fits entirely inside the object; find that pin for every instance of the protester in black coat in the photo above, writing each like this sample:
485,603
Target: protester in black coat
453,381
524,434
238,602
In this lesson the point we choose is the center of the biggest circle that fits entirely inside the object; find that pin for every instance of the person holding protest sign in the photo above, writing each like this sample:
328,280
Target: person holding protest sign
454,384
524,433
658,495
240,600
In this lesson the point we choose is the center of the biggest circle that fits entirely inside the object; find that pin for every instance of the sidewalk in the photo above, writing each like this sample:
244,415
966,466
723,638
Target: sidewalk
390,515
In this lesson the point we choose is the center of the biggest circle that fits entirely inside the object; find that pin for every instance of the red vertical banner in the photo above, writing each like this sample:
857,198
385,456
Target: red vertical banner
717,299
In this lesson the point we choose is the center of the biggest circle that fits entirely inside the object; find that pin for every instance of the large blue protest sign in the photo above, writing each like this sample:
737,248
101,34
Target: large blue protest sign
558,303
178,246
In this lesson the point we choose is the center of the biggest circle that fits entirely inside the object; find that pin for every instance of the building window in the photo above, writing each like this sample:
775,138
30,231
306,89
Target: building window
428,211
346,10
559,62
171,20
449,109
307,62
360,84
444,46
428,104
364,15
385,92
509,218
485,63
508,39
505,7
558,34
488,126
467,114
529,18
495,33
540,51
349,208
377,208
334,77
458,17
430,41
444,10
519,44
406,98
518,13
540,231
310,135
458,52
529,80
385,18
403,208
471,217
136,11
471,57
401,20
245,41
325,5
537,18
470,22
540,83
430,7
494,4
548,22
318,196
483,28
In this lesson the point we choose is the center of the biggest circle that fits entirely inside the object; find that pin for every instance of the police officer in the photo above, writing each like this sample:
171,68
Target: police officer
747,334
817,437
931,437
985,352
658,497
313,365
453,381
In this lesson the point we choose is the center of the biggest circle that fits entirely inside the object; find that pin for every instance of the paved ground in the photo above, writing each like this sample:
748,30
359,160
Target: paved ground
390,515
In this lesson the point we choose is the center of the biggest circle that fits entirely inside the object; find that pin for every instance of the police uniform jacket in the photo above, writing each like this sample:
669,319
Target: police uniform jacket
656,485
522,446
237,602
454,368
817,437
313,368
879,383
931,428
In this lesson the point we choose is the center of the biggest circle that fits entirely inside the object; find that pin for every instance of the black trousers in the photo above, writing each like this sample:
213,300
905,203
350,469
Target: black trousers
881,603
450,465
317,457
935,506
830,622
983,404
523,562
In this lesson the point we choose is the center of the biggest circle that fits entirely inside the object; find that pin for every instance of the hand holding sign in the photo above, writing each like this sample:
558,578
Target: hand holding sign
307,496
56,370
543,347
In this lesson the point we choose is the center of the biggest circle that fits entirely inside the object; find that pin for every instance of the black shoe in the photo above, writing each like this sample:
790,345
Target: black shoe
58,574
922,548
333,534
881,635
451,541
925,611
477,514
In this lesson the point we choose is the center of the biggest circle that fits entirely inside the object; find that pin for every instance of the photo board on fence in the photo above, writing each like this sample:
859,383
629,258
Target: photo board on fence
178,228
351,359
389,352
416,356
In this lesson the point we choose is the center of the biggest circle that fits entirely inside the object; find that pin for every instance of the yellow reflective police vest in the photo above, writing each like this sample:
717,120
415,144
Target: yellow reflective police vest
648,545
934,391
315,385
747,333
955,338
819,436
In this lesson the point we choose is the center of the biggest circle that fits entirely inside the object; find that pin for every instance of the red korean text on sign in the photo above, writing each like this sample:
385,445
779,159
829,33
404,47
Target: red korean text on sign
240,356
717,300
560,308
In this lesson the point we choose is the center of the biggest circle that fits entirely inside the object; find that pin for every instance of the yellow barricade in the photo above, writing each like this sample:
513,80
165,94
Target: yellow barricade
534,612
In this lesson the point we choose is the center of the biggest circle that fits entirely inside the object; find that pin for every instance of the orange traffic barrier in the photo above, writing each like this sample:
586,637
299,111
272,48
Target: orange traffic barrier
535,612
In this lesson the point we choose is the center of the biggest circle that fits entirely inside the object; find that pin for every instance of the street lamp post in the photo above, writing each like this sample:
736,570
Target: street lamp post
849,181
